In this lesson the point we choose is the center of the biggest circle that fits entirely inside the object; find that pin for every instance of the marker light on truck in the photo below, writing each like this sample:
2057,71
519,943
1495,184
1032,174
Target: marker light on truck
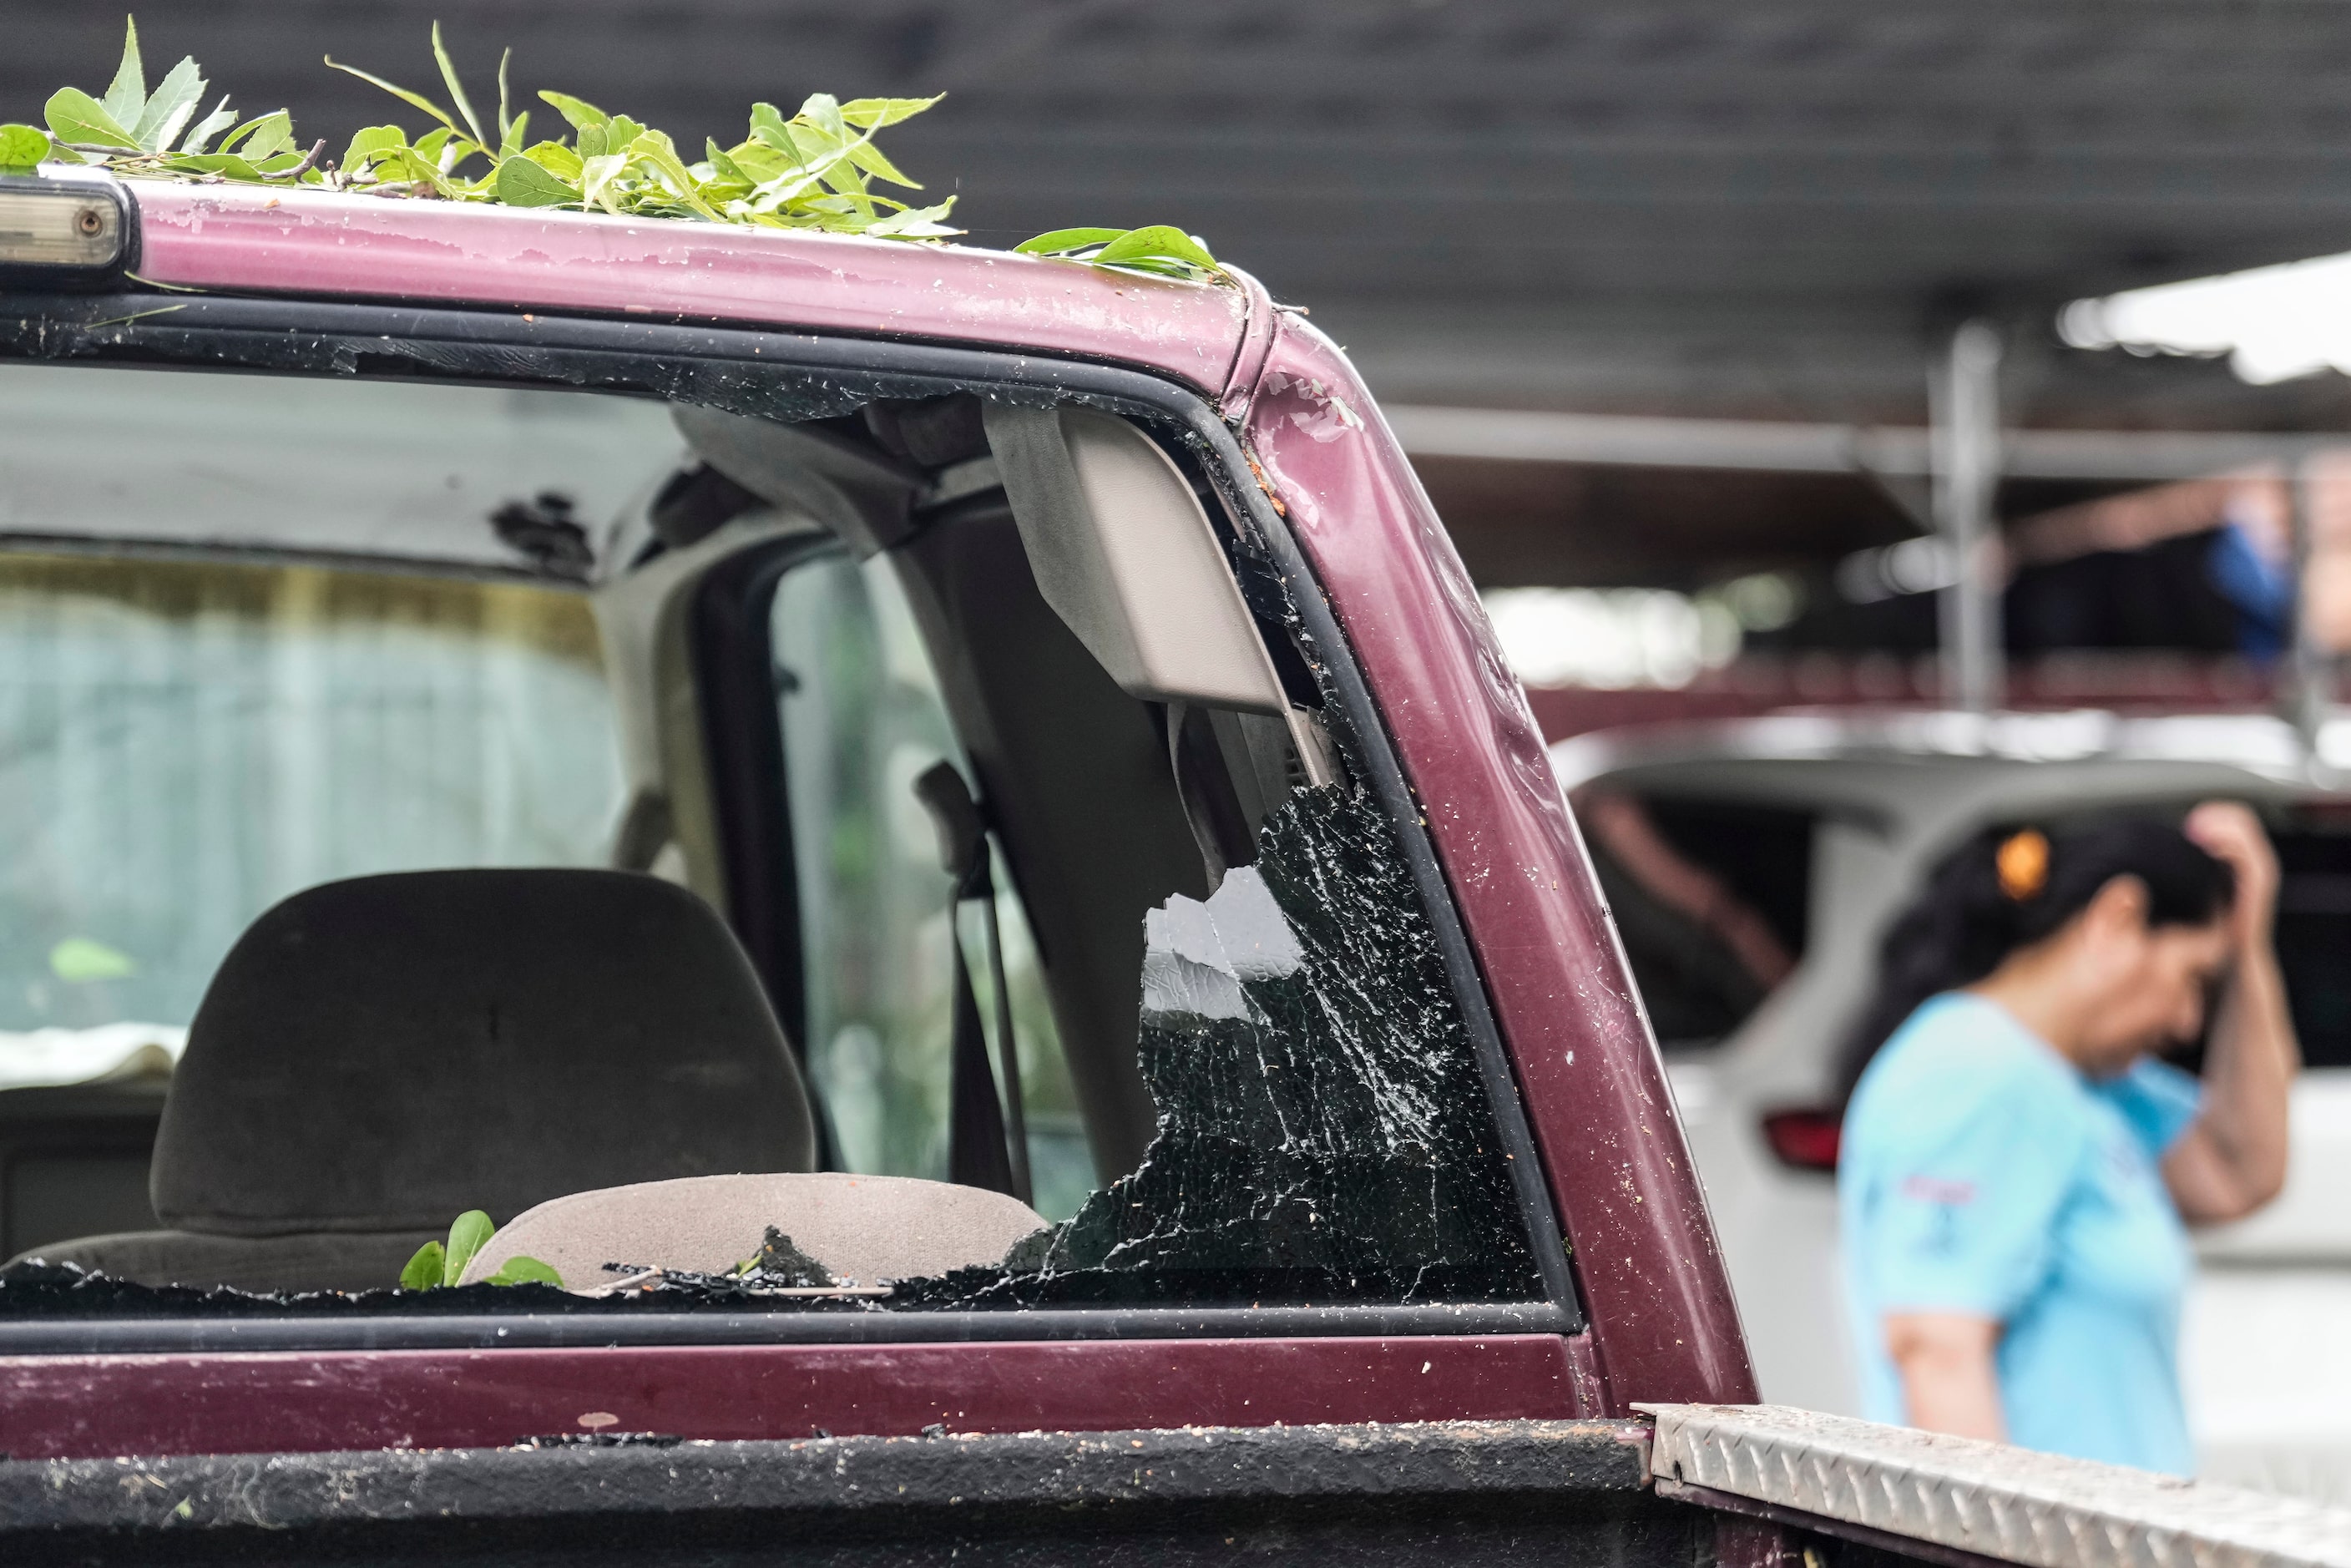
59,224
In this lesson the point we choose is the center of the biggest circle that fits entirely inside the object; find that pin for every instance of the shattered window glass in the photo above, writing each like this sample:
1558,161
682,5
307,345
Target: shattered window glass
1323,1134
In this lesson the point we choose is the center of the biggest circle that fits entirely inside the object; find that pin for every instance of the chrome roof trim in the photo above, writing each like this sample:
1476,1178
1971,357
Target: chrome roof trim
2258,743
1988,1499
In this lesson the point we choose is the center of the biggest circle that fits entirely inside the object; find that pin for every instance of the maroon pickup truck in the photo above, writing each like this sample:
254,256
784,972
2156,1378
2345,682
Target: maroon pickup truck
937,839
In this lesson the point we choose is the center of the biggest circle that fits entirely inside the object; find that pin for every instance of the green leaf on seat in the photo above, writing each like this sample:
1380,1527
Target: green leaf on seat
466,1237
427,1270
520,1270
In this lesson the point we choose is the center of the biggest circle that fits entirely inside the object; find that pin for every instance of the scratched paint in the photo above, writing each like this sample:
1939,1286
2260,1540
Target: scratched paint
329,245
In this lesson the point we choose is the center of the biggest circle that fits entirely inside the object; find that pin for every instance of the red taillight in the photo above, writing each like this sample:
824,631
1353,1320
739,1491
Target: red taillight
1806,1140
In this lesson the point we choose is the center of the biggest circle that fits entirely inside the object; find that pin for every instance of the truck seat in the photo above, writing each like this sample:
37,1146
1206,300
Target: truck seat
376,1056
865,1229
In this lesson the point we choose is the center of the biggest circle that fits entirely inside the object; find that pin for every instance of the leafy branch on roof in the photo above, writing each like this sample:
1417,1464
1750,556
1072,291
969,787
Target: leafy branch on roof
815,169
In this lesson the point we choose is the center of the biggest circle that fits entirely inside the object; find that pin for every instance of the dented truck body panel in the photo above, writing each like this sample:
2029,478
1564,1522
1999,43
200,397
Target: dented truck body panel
1620,1173
1639,1304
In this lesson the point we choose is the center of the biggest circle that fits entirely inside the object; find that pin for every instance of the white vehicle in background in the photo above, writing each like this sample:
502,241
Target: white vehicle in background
1752,865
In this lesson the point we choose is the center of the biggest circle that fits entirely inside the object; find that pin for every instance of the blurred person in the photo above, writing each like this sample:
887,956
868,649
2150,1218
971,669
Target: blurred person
2017,1165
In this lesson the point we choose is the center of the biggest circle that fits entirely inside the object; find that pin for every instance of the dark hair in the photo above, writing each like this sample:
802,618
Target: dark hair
2010,887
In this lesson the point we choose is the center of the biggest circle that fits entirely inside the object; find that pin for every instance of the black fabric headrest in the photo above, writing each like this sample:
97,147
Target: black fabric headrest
387,1052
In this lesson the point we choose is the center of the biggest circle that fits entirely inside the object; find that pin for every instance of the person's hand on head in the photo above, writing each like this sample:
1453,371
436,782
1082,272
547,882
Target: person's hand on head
2231,832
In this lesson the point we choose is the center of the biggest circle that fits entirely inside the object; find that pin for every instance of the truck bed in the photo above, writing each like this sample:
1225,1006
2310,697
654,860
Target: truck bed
1738,1486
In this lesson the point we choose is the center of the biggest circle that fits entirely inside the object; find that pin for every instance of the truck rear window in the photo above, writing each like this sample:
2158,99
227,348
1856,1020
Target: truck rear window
562,644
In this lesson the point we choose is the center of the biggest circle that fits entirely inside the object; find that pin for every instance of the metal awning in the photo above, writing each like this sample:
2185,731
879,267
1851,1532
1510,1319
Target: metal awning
1702,209
1698,197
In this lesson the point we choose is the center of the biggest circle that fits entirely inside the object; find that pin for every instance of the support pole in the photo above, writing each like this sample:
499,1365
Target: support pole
2310,668
1964,403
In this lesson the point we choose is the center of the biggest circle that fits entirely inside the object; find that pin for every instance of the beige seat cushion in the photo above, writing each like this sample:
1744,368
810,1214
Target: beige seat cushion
862,1227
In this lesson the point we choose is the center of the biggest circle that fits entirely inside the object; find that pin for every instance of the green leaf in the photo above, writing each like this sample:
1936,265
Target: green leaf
578,111
466,1237
263,136
868,157
210,126
369,143
225,164
916,223
1060,242
77,960
127,98
768,129
874,113
519,1271
22,147
75,116
557,159
657,149
168,111
280,163
527,183
1158,242
510,139
808,143
427,1270
722,167
824,110
415,100
757,160
402,164
592,139
597,175
456,89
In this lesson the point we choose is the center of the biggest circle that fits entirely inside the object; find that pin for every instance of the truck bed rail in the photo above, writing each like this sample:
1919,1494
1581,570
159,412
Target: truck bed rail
1958,1500
1499,1494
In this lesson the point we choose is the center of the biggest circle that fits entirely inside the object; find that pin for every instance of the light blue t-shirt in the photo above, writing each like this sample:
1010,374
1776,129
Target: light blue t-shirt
1981,1172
